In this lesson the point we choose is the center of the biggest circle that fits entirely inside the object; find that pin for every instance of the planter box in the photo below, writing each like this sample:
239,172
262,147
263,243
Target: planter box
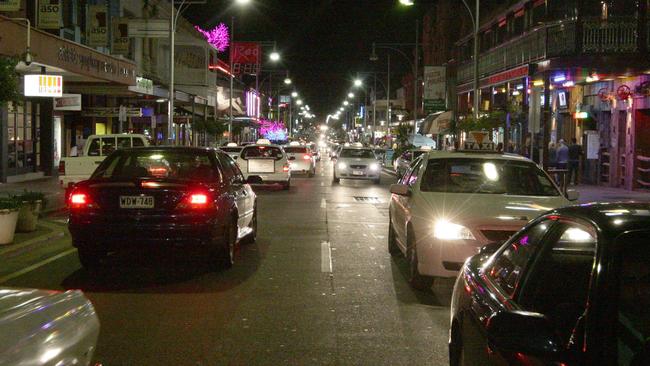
8,221
28,216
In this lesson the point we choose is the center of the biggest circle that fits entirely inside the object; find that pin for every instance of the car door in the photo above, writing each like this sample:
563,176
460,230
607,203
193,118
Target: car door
235,185
494,288
402,204
247,193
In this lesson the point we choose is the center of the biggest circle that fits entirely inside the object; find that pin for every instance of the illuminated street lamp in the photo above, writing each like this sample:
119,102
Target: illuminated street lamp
242,2
350,95
358,82
341,109
294,94
345,102
274,56
287,81
299,102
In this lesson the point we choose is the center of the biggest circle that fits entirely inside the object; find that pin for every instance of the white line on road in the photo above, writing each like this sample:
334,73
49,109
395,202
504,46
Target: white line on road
322,184
36,265
323,203
325,257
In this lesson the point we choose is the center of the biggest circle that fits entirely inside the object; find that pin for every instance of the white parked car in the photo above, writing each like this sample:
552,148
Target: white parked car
301,160
40,327
450,204
267,160
232,151
357,163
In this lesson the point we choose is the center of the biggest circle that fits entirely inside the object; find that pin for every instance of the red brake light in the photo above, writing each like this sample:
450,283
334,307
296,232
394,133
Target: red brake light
285,168
198,199
306,157
78,199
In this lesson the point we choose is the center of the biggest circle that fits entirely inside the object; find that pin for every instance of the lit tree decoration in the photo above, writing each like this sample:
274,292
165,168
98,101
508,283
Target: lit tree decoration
273,130
218,37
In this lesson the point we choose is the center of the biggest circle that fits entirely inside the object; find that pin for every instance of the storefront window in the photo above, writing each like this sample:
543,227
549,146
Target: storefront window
22,147
609,8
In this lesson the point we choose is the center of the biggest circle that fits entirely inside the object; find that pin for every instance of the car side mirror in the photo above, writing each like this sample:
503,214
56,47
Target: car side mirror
400,189
572,194
491,247
524,332
254,179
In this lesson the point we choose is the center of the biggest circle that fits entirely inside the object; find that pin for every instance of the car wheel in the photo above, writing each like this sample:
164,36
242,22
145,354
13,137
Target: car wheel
416,280
89,258
226,250
377,181
336,179
393,249
250,238
287,185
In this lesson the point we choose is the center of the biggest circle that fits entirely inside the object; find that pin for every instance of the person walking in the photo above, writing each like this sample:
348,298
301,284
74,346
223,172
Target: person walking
575,153
552,155
562,155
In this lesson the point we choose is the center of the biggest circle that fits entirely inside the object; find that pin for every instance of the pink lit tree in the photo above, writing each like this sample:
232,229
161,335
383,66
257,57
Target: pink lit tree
273,130
218,37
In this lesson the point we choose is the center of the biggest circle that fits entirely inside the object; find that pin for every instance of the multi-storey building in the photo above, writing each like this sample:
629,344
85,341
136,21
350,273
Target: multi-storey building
563,69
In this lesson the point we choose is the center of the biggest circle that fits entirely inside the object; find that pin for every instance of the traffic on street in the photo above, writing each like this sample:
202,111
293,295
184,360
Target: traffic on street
263,182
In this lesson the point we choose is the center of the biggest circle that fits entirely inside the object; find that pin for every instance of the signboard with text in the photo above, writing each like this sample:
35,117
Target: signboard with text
435,90
68,102
49,14
246,58
97,32
120,40
43,85
111,112
9,5
148,28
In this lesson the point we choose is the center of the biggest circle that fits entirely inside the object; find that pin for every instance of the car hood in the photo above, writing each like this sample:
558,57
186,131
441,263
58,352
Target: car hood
357,160
499,211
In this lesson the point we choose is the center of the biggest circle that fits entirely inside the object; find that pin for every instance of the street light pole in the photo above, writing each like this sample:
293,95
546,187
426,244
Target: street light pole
170,106
374,109
232,74
388,111
415,76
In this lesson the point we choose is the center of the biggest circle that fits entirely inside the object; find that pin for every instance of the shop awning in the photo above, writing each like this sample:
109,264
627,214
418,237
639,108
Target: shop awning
436,123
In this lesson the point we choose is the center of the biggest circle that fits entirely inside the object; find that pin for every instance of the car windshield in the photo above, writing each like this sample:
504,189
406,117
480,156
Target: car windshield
357,153
295,150
486,176
271,152
184,165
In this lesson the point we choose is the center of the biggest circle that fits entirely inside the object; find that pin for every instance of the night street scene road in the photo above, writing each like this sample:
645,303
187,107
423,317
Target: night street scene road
360,182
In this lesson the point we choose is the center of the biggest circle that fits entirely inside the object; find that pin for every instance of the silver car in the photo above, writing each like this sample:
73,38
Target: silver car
357,163
232,151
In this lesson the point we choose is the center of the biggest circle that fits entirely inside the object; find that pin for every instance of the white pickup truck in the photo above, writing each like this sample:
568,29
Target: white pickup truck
74,169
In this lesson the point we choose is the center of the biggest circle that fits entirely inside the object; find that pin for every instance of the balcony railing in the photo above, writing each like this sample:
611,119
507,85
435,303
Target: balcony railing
616,35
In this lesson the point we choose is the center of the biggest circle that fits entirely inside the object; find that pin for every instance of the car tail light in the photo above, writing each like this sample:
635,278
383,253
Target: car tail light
196,201
62,167
306,157
285,168
80,200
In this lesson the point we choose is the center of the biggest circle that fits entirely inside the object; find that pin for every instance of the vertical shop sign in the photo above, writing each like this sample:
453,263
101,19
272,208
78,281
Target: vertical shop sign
97,31
120,42
435,90
49,14
9,5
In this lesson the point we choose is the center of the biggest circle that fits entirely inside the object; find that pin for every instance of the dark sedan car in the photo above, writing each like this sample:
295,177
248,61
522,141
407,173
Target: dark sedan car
571,288
148,198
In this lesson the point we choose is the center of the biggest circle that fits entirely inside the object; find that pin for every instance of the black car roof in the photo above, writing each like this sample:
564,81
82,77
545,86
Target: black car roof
612,218
168,148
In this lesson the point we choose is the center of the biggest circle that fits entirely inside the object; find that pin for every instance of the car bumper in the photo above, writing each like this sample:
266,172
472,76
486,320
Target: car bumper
444,258
349,174
269,178
300,167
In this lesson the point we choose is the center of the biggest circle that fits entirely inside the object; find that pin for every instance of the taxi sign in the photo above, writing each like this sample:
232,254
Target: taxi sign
264,142
478,140
294,143
232,144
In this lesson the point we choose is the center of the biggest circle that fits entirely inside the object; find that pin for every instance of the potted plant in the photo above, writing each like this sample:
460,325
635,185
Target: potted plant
9,207
31,205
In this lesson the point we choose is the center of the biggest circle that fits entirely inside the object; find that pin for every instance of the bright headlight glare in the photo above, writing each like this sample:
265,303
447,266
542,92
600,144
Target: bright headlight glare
446,230
374,166
342,165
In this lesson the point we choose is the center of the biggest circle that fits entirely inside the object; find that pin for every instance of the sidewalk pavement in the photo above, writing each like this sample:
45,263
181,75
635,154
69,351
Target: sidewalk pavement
50,186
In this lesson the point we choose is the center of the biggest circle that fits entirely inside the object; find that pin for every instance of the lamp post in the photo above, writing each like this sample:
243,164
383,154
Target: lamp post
232,76
475,22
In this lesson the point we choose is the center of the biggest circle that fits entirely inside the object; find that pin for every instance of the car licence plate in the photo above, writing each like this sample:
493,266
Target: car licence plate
357,172
136,201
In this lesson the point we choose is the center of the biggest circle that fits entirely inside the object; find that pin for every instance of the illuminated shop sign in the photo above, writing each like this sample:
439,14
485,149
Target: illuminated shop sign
43,85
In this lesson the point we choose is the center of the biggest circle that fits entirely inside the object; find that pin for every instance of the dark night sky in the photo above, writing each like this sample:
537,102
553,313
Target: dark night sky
323,43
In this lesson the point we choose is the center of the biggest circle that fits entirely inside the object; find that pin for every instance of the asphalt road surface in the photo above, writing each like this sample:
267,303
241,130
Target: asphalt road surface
317,288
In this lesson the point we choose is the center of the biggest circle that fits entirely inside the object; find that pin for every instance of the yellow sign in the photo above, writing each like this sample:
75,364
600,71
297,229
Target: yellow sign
43,85
9,5
49,14
120,41
97,32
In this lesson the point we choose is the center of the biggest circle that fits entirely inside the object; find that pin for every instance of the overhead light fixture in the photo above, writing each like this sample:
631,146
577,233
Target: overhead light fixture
274,56
592,78
538,83
294,94
345,102
287,81
358,82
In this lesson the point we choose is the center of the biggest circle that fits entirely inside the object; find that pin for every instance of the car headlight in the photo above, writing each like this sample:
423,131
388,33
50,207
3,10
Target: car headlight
374,167
446,230
342,165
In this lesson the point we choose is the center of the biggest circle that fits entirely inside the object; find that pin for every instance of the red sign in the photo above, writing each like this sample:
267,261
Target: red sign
519,72
246,58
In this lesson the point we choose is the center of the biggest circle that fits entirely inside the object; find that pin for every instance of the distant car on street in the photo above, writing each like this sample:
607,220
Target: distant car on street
449,204
154,197
357,163
266,160
232,150
301,160
570,288
43,327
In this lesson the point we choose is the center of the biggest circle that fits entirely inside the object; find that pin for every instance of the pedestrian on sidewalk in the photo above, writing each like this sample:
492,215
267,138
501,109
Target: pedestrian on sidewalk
575,153
562,155
552,155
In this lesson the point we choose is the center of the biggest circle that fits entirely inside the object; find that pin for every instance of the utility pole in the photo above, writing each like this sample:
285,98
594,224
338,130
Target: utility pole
170,111
232,74
415,76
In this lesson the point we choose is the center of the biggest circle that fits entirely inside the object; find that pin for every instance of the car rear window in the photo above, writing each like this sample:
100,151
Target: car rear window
295,150
231,149
486,176
184,165
262,152
357,153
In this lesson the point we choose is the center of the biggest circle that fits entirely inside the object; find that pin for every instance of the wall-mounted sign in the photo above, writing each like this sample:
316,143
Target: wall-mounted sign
120,41
435,89
49,14
43,85
68,102
97,32
285,99
516,73
149,28
9,5
112,112
142,86
246,58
